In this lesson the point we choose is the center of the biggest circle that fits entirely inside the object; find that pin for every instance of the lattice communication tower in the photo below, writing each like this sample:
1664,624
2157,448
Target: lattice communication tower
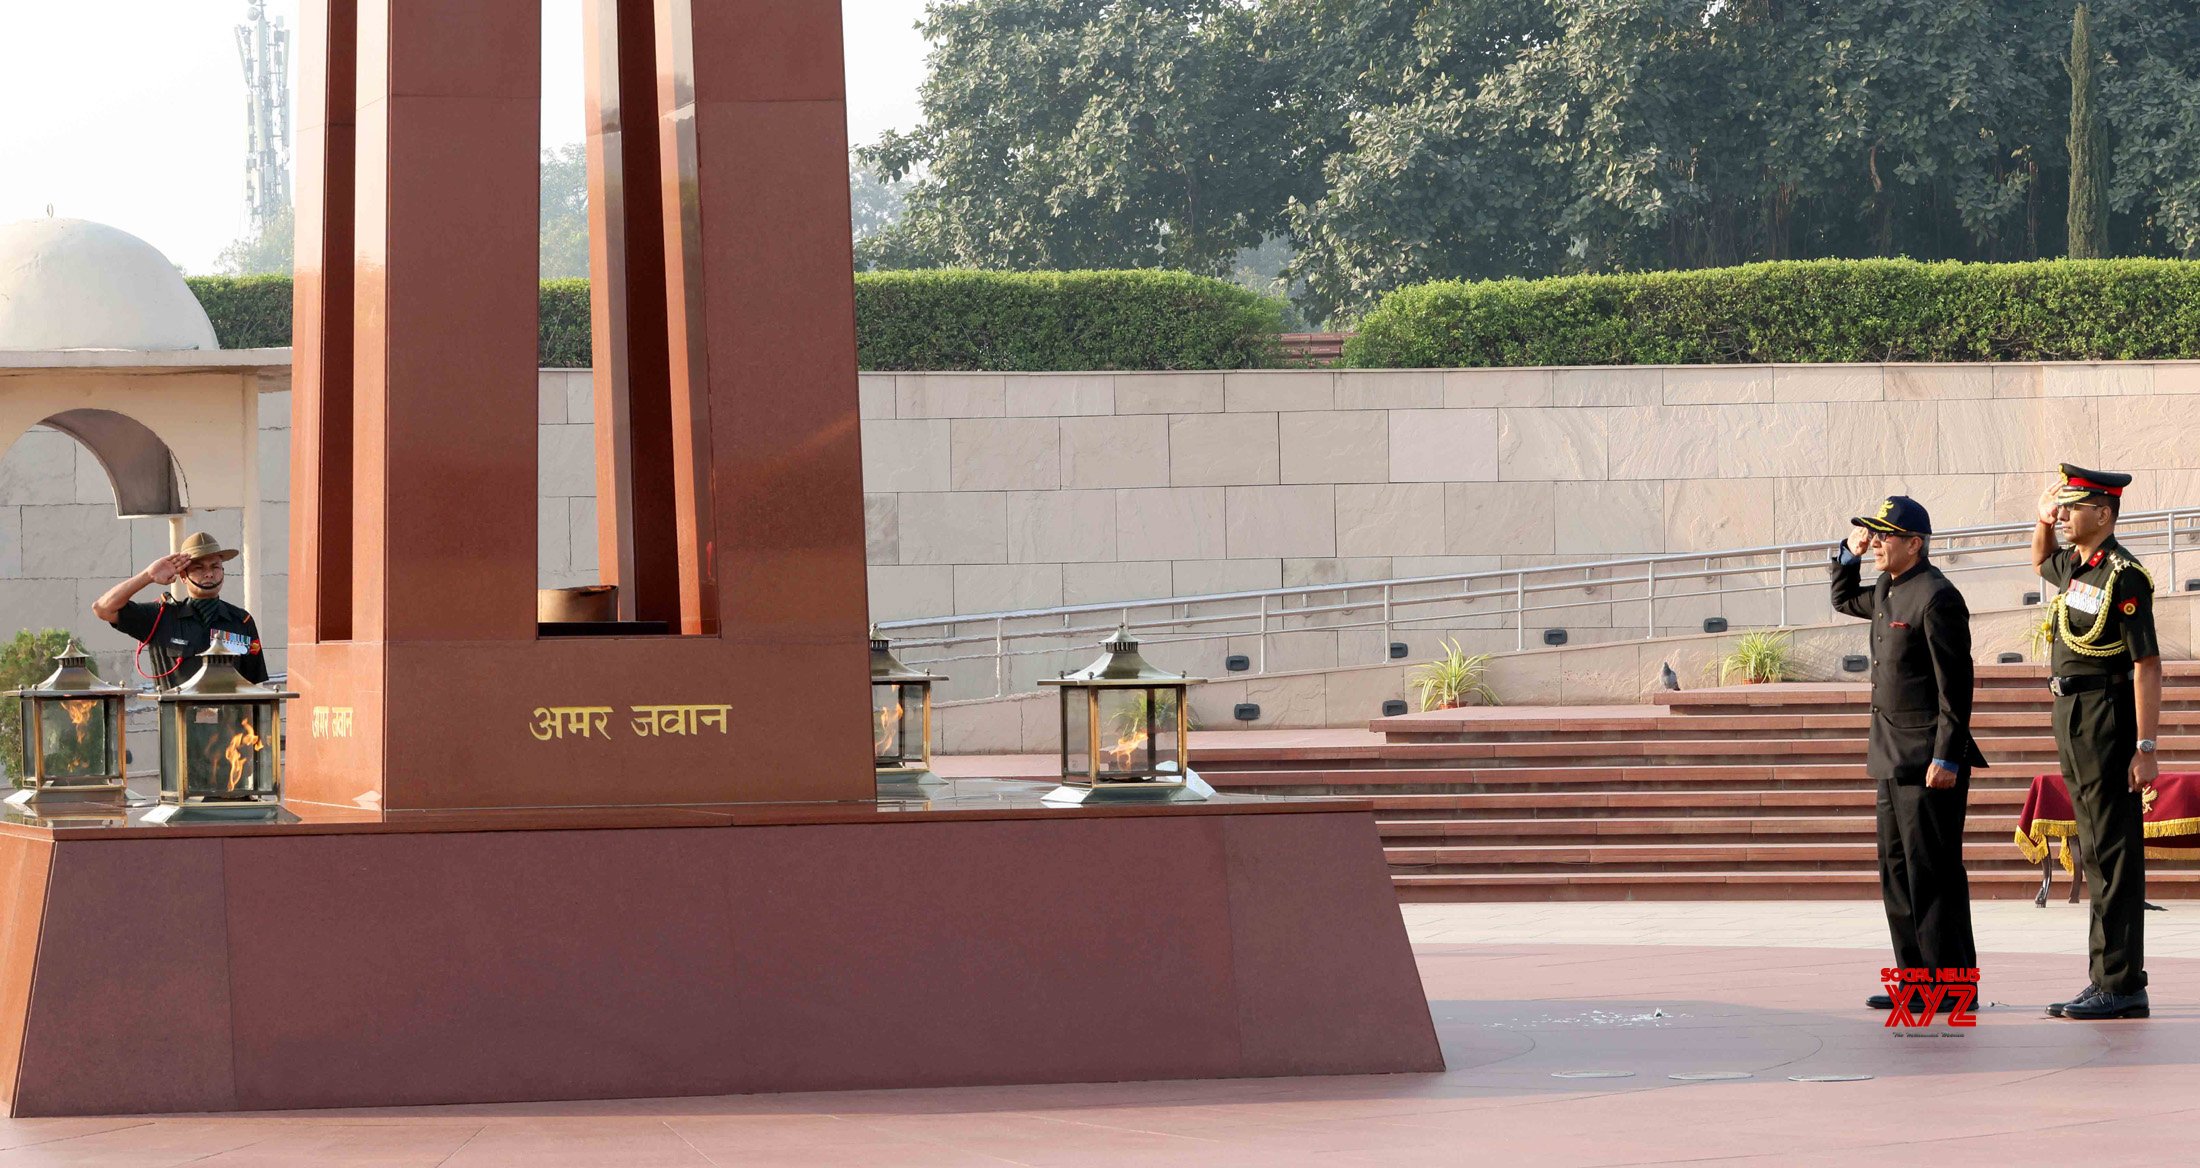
264,47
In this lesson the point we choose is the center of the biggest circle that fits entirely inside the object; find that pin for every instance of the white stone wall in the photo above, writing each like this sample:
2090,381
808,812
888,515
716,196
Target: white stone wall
1030,490
1001,491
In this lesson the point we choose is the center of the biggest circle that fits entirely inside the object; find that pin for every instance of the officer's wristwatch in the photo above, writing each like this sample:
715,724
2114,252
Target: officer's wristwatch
2146,746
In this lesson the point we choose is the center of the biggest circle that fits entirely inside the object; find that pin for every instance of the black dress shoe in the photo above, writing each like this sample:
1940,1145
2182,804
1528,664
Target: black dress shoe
2055,1009
2108,1005
1879,1002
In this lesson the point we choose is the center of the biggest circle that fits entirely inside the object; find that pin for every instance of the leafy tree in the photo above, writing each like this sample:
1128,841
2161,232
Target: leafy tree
1387,142
24,661
874,204
1094,134
2088,147
564,249
267,252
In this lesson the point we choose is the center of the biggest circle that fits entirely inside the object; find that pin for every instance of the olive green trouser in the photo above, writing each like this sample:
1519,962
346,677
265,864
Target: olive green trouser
2097,735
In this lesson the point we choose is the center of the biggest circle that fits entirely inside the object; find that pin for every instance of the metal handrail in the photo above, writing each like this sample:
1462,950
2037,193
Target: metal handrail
1508,595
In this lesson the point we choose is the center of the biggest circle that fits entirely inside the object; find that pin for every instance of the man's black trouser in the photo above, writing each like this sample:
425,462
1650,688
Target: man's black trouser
2097,734
1921,876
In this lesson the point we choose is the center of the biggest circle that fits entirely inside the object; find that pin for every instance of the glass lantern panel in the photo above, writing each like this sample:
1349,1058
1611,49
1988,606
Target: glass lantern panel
891,715
73,734
1076,732
226,750
914,749
1137,731
26,761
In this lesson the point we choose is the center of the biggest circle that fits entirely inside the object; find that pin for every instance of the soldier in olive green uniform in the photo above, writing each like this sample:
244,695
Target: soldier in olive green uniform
2108,700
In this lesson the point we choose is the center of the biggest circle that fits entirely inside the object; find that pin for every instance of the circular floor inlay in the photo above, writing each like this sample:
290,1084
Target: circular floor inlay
1710,1076
1827,1078
1592,1074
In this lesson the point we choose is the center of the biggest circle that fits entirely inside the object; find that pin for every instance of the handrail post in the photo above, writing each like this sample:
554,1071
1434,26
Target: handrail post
1520,608
1386,623
1000,658
1650,602
2172,522
1263,633
1783,588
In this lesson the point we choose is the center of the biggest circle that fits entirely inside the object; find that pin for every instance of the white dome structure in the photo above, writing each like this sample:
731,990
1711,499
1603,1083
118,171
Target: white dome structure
70,284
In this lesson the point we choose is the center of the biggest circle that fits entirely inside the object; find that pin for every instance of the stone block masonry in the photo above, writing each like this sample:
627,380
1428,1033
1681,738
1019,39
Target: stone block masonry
987,492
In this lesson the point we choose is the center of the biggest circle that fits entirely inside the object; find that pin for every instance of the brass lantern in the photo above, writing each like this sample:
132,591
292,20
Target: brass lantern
221,740
72,731
1125,726
901,717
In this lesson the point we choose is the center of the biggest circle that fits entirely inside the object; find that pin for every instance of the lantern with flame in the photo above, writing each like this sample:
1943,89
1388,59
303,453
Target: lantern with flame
901,717
72,730
221,741
1124,730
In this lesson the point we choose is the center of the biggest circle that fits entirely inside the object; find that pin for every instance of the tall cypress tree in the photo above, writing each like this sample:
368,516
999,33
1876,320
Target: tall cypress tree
2088,147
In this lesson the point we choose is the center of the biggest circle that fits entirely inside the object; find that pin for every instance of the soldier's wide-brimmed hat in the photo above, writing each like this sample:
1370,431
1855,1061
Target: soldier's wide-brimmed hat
1896,515
200,546
2080,484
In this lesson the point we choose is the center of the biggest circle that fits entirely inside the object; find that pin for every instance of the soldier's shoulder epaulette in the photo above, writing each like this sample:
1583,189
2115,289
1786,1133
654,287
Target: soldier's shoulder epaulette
2124,562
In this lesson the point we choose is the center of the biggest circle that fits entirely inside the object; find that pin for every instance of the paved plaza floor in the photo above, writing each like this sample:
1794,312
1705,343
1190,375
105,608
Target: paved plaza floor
1563,1024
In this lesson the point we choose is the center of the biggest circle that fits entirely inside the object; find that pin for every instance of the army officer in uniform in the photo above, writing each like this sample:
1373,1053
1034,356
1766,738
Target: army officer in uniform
171,633
1921,753
2108,703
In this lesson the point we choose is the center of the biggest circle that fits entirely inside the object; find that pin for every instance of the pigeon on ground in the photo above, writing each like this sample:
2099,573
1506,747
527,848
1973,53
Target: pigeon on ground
1671,679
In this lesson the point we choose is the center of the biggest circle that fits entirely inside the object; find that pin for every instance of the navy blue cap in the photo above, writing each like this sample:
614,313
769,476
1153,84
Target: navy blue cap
1899,515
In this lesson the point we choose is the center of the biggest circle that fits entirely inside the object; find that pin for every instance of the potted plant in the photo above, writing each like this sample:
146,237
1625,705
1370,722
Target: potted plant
1758,658
1451,680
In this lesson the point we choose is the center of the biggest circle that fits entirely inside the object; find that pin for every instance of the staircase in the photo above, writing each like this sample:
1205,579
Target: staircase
1750,792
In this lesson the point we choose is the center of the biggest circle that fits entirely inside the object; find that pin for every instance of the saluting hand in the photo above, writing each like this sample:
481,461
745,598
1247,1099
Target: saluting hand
2048,505
1860,541
2145,768
165,569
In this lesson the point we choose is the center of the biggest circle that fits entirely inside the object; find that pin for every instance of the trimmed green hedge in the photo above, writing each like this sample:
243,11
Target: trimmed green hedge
944,320
564,342
1061,321
249,312
1809,311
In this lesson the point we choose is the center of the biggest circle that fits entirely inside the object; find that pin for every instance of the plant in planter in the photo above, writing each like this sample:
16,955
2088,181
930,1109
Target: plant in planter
24,661
1452,679
1758,658
2038,638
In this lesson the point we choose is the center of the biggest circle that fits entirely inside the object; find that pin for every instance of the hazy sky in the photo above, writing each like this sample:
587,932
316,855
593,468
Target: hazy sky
131,112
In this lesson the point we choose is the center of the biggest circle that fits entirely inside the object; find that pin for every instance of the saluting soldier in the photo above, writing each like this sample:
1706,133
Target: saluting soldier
1921,753
2108,703
174,633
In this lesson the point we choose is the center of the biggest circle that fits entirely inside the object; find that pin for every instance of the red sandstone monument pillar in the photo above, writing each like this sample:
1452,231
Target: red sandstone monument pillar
726,413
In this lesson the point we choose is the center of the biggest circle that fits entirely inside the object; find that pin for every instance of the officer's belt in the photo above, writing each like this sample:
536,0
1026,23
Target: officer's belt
2063,687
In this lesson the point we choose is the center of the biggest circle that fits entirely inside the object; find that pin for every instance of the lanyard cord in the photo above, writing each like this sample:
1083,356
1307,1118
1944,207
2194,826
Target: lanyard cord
137,659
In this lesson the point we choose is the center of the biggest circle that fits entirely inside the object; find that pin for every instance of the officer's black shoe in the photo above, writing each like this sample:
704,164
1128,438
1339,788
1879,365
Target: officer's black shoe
2055,1009
1879,1002
2108,1005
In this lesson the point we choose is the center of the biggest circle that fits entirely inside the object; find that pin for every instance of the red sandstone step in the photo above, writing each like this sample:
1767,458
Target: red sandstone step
1766,885
1373,782
1994,828
1562,805
1553,723
1801,694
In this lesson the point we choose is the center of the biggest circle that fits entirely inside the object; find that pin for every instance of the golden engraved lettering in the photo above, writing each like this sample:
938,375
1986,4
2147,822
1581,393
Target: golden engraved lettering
646,721
331,722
